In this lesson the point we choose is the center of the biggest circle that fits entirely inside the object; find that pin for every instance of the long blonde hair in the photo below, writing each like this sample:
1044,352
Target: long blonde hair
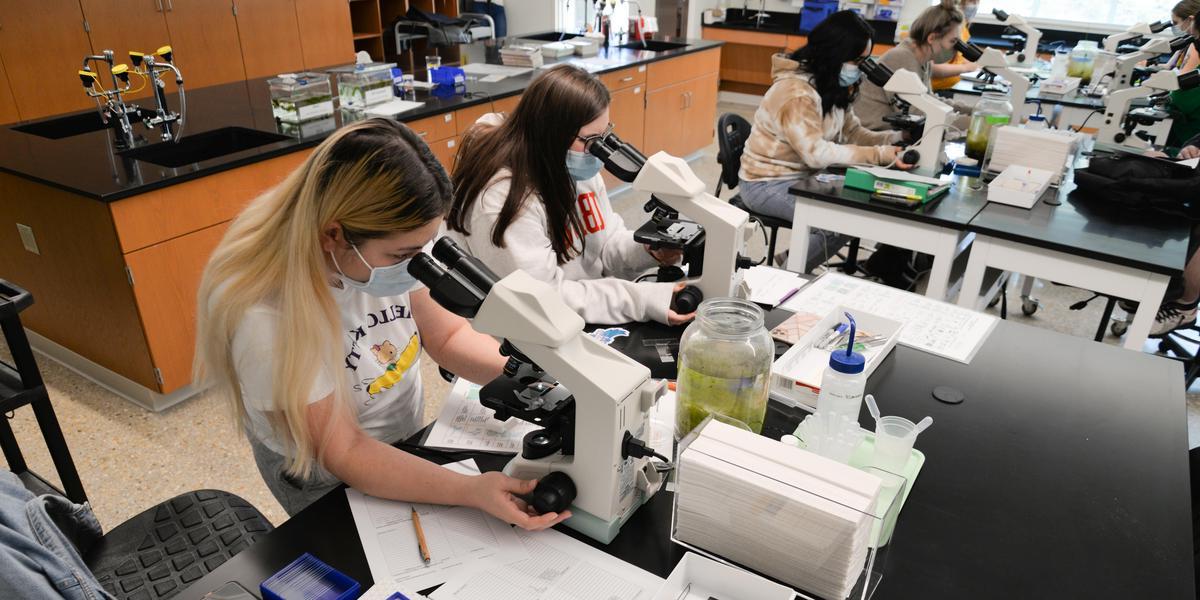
374,178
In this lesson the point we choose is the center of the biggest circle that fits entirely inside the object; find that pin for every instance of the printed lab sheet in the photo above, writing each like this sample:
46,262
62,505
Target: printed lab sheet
558,568
459,538
931,326
465,424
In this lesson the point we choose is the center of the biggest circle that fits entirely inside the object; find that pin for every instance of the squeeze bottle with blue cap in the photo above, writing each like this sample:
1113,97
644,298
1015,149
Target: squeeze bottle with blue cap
844,380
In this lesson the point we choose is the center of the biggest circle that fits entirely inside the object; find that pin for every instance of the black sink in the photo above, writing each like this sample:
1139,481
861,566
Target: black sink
654,46
552,36
203,146
64,127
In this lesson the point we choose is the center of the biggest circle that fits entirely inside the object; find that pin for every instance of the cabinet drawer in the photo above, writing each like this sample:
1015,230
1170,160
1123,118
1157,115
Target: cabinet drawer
691,66
625,78
466,117
506,105
437,127
446,151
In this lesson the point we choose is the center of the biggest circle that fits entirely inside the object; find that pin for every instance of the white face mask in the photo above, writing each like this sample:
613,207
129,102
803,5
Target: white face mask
383,281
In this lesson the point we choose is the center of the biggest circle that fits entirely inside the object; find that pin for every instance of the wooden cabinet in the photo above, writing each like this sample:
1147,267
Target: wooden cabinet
166,279
681,104
204,35
125,26
627,114
43,44
270,37
8,104
325,35
446,152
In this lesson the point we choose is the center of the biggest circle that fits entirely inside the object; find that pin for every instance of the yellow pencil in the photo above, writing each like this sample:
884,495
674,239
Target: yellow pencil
416,519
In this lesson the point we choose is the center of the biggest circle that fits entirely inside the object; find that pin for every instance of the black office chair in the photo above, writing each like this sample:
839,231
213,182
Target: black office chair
161,551
731,141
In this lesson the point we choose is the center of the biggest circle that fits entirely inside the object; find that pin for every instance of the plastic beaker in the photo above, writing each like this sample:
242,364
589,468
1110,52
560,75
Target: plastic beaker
894,437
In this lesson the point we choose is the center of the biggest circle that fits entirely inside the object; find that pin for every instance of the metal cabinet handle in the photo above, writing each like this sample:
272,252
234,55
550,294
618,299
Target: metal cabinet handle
630,78
422,133
170,5
158,3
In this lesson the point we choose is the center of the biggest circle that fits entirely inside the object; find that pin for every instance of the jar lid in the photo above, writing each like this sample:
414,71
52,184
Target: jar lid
1037,117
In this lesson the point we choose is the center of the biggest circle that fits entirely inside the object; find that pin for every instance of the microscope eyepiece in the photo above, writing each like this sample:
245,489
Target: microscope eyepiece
970,51
1159,27
875,72
471,268
1190,80
1181,42
1000,15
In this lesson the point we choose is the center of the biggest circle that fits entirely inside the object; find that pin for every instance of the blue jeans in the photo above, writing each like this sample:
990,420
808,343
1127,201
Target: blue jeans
496,13
771,198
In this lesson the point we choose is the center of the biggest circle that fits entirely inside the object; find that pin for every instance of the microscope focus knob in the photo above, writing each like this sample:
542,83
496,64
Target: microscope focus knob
911,157
554,493
687,300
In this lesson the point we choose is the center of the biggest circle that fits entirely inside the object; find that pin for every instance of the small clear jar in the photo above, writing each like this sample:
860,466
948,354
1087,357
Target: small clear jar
725,359
1083,61
992,110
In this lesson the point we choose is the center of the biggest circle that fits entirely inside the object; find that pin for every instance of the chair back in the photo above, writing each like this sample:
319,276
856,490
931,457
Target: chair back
732,132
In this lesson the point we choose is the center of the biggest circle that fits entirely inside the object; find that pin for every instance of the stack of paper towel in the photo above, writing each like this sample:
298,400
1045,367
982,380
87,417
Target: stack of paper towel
1045,149
782,511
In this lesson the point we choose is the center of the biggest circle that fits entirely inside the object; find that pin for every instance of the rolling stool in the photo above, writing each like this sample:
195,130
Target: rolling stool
159,552
1183,345
733,131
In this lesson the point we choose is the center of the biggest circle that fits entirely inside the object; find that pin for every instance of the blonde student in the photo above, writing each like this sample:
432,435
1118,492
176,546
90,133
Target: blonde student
528,196
310,323
949,65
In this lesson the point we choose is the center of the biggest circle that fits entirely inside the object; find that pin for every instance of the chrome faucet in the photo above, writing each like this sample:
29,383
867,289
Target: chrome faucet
113,105
152,67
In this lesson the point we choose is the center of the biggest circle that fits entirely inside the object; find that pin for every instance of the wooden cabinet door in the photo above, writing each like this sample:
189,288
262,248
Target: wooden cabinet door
43,44
326,37
700,122
8,104
166,278
446,152
125,26
204,35
665,111
628,113
270,37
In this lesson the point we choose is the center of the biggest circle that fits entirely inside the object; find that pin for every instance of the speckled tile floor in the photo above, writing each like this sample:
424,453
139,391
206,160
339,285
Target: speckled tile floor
130,459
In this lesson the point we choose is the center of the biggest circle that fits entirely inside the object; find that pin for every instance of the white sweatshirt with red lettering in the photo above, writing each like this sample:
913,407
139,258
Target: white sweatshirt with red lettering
596,283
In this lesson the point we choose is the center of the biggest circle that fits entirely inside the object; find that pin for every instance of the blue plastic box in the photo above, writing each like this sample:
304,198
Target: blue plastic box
815,11
307,578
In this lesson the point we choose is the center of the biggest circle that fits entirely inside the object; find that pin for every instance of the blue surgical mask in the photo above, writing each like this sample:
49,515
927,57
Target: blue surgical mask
384,281
970,11
583,166
849,75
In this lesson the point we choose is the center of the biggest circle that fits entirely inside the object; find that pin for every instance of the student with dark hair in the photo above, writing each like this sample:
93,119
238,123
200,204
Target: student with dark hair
528,196
932,35
805,123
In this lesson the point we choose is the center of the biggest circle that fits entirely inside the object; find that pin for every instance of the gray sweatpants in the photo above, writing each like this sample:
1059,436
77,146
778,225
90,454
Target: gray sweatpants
771,198
292,493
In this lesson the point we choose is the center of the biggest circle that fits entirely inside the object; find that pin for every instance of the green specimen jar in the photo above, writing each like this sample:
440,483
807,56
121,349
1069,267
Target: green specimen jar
993,110
725,359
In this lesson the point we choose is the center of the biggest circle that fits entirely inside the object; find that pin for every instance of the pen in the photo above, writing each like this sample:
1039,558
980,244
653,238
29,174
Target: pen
787,296
416,519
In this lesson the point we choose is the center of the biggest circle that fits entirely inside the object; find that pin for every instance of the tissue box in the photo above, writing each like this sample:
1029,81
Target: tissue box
1019,186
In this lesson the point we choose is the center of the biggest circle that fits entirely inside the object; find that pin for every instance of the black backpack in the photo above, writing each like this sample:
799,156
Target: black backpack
1141,185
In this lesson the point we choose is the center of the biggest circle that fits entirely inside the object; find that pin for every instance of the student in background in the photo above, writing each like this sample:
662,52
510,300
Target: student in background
309,321
933,34
950,64
528,196
1185,104
805,123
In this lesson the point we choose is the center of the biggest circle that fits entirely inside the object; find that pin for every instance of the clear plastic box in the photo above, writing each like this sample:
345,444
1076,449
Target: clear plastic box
363,85
749,528
300,97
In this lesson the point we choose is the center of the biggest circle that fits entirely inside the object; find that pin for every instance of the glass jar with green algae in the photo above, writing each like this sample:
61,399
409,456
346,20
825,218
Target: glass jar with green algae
725,359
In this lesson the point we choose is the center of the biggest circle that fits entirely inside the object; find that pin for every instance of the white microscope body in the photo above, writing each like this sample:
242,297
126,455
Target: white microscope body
1125,64
1033,37
670,180
908,87
1113,130
1141,30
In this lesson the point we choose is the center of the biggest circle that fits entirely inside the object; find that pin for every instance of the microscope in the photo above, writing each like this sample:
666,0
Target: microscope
113,106
591,402
1141,31
1121,122
911,92
1027,55
152,67
710,243
994,63
1126,70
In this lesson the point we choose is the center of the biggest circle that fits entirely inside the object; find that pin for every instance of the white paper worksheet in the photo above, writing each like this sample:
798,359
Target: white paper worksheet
460,539
929,325
465,424
558,568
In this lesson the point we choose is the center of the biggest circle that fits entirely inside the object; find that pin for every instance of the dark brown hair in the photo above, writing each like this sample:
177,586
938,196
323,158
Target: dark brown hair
532,144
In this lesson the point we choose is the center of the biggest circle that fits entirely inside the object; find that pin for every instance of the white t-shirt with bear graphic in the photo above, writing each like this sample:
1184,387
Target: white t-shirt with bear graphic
381,360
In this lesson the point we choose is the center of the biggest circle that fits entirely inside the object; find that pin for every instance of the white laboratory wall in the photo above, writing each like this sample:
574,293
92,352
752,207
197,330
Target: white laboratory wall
532,16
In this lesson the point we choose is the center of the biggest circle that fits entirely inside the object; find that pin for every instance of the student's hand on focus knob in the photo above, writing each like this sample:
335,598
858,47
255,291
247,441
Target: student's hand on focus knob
1189,152
497,494
674,318
897,154
665,256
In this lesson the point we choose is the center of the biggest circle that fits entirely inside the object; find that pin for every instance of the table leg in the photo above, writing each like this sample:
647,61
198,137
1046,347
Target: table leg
939,273
973,277
798,251
1143,319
